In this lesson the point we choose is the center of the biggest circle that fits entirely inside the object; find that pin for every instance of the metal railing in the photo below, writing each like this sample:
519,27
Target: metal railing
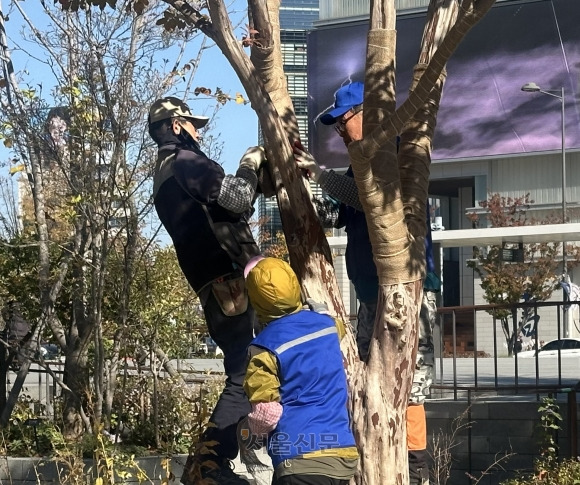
465,372
523,372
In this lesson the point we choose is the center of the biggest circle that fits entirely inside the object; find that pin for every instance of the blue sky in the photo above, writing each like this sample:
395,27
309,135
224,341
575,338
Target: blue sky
237,124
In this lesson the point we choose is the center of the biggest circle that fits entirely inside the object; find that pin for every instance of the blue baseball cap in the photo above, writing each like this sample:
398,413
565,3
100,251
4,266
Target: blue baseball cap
346,98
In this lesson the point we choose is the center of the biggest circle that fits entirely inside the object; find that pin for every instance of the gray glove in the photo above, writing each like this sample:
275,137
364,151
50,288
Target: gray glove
253,158
317,307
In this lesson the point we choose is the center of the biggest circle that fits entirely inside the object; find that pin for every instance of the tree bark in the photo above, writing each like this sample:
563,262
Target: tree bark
393,191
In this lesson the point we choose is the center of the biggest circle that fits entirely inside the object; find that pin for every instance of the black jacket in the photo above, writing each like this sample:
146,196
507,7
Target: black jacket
210,241
360,265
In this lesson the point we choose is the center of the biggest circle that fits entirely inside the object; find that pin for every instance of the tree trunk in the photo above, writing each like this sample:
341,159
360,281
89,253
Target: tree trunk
76,378
28,349
393,191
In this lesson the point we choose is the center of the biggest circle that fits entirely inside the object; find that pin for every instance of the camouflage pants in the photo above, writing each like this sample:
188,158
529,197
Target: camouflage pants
423,377
364,328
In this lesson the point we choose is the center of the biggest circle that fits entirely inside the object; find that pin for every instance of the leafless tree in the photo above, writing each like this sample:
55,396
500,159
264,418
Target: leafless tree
85,161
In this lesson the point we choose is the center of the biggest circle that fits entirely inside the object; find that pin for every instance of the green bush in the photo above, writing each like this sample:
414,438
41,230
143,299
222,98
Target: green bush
550,472
548,469
169,424
173,421
27,434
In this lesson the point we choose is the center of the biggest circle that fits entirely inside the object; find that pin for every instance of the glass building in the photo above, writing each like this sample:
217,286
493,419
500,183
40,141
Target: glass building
297,17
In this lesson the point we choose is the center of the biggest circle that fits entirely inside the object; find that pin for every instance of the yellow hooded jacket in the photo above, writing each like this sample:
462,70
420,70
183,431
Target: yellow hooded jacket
274,292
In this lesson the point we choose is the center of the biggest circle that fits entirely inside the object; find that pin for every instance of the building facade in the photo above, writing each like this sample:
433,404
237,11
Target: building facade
491,137
297,18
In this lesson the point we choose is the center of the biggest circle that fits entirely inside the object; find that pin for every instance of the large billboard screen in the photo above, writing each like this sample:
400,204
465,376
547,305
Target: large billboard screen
483,112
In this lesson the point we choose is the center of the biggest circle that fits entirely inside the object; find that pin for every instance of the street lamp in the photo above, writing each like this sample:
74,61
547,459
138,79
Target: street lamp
534,88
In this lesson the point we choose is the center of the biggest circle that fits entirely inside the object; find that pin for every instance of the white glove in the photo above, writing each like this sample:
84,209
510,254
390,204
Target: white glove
306,161
253,158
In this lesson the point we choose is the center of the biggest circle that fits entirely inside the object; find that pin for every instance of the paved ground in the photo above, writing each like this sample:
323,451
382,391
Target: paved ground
508,371
505,371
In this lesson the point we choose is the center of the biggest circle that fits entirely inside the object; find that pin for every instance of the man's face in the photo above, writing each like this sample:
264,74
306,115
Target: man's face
349,126
186,127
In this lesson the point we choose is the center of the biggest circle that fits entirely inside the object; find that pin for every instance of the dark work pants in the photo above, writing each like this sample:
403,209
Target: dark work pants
418,467
233,335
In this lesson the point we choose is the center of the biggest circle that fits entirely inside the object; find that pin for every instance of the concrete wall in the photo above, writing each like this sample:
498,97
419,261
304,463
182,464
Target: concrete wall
41,471
498,427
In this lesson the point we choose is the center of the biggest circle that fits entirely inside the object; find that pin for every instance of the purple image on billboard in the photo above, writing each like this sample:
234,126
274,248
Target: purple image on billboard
483,112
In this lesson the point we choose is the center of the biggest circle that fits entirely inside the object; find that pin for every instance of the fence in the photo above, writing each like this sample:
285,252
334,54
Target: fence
499,396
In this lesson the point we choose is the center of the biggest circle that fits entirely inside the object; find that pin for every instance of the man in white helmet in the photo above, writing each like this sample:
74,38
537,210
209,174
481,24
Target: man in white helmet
205,212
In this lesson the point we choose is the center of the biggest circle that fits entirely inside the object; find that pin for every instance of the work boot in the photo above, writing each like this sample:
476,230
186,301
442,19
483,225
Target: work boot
210,471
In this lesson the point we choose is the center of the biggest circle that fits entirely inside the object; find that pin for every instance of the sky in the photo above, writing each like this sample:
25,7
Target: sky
237,124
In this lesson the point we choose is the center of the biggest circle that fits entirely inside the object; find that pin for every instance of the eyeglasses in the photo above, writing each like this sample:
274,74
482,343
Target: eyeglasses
340,126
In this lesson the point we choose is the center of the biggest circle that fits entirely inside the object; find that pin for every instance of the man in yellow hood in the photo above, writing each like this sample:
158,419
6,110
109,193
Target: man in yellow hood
296,383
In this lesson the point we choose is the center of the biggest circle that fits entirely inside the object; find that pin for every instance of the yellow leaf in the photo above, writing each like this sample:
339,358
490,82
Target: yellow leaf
98,481
16,168
240,99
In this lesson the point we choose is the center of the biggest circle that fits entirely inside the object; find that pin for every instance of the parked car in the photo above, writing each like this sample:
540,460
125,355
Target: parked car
50,351
567,346
207,346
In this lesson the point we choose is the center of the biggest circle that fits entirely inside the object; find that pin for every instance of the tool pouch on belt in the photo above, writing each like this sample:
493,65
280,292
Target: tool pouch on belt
231,295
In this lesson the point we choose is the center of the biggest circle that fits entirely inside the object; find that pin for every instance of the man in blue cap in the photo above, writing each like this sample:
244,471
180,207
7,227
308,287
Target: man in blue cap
342,208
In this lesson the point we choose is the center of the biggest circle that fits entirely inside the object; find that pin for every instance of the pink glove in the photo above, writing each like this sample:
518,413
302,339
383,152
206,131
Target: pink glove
264,417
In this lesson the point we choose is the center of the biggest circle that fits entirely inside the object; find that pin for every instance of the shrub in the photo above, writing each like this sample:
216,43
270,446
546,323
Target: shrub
27,433
168,424
172,421
548,469
550,472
